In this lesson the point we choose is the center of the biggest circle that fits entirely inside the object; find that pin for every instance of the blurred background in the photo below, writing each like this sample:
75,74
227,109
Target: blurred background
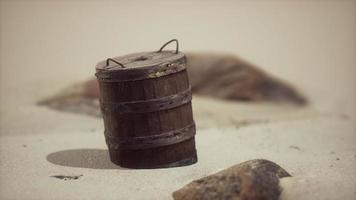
46,46
312,44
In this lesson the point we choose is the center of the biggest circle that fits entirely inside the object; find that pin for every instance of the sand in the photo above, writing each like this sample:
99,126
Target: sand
45,46
318,152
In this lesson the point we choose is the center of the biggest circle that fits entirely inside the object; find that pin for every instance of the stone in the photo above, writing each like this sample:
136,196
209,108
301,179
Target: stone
63,177
251,180
229,77
81,98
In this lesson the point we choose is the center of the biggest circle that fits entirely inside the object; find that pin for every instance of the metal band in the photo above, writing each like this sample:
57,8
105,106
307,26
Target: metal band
144,142
151,105
184,162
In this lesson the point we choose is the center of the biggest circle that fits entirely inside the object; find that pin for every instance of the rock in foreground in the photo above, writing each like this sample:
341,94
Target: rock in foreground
252,180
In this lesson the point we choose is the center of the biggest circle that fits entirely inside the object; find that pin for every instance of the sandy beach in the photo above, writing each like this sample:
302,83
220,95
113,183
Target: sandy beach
48,45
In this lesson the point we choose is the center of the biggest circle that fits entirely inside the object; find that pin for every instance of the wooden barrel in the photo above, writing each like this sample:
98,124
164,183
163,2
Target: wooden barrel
145,99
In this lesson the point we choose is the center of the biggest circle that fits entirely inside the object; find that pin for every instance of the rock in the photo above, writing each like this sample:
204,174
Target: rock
213,75
63,177
252,180
82,98
230,77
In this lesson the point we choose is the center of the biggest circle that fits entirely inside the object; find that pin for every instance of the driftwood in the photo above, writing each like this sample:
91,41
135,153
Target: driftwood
252,180
213,75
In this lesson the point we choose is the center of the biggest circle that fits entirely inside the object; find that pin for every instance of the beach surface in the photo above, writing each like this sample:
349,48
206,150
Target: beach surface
48,45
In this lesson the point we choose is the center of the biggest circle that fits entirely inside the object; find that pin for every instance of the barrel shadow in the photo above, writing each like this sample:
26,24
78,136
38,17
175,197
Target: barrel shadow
82,158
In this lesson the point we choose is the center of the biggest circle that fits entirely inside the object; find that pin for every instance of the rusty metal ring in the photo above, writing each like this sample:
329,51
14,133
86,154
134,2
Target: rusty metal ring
174,40
151,141
112,60
150,105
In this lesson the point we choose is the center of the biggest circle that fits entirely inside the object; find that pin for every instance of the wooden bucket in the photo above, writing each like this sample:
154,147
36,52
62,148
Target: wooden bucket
145,99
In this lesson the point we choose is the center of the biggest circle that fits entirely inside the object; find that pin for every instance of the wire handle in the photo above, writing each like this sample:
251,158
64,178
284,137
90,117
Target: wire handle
174,40
112,60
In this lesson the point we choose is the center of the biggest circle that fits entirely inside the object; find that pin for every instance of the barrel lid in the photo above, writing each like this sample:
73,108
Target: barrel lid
138,66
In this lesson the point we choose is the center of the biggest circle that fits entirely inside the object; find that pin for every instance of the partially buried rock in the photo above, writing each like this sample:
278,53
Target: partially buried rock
82,98
252,180
229,77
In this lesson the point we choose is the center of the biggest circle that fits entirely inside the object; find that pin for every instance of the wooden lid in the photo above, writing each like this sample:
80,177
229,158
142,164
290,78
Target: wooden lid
138,66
